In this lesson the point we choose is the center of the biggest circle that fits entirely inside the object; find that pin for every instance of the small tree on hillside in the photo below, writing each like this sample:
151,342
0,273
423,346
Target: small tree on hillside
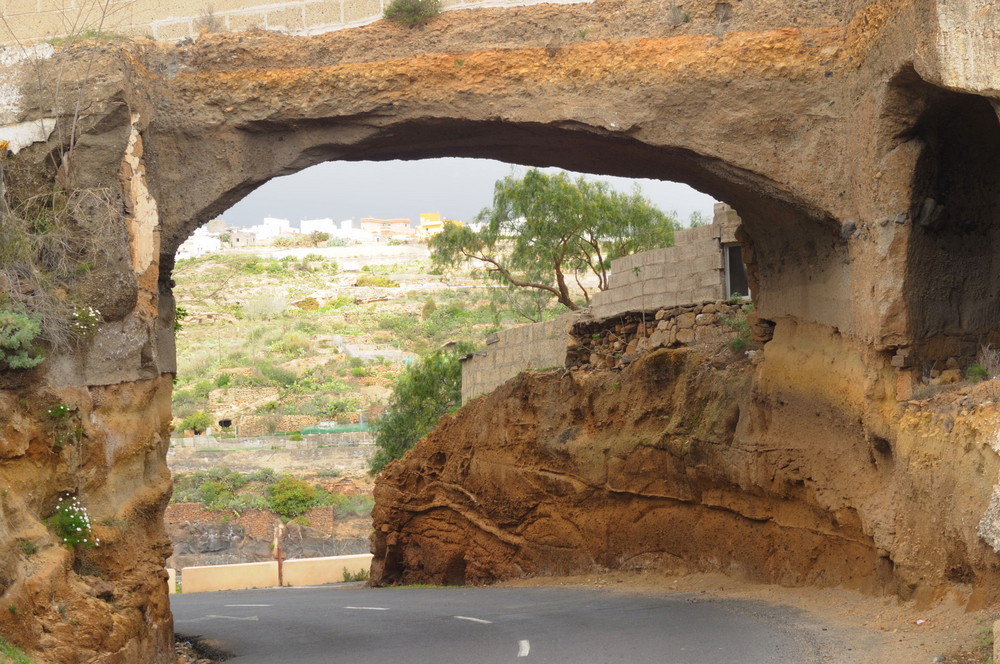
546,231
319,237
422,394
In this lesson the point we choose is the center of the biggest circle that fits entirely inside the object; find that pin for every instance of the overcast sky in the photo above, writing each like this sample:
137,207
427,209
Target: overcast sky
455,188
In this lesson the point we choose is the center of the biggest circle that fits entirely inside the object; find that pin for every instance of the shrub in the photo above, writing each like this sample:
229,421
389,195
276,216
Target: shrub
976,373
741,327
280,375
429,307
72,523
356,505
18,335
412,12
290,497
360,575
376,281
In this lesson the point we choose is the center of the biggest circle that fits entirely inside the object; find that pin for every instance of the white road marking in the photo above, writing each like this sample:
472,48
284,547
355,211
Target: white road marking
214,617
247,605
366,608
475,620
523,648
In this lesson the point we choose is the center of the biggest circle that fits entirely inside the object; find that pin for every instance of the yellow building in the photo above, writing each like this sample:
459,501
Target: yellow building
431,223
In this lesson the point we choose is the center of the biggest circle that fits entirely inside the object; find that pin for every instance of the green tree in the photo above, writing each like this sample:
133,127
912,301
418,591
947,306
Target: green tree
197,422
545,231
698,218
422,394
318,237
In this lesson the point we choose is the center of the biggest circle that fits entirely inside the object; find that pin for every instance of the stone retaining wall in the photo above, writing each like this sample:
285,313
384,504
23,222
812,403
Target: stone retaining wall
615,342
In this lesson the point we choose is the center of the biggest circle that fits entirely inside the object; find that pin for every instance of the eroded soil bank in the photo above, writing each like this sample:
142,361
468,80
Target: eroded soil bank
798,468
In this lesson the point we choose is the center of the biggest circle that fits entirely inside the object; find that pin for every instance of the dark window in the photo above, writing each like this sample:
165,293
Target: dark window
736,272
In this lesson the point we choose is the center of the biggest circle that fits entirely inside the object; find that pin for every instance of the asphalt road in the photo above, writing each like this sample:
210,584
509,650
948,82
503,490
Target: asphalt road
352,625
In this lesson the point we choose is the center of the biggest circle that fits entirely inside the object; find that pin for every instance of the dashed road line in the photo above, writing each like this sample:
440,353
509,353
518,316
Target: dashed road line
475,620
215,617
366,608
245,605
523,648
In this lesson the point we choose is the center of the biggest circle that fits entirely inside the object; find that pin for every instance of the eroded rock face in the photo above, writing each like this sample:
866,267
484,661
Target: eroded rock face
107,603
797,470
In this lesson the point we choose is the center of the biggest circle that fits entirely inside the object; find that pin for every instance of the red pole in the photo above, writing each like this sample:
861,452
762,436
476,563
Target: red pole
280,580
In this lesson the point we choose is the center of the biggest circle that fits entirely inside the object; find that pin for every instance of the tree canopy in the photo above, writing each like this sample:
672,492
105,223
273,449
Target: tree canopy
422,394
545,232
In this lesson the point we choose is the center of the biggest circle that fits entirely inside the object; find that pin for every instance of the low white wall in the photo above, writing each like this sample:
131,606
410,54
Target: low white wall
318,571
301,572
229,577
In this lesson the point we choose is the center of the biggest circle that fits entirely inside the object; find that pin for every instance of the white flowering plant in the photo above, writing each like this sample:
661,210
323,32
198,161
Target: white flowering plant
84,319
72,523
65,427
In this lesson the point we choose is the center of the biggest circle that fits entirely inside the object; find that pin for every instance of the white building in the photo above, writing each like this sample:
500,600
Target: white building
271,228
199,244
350,233
328,226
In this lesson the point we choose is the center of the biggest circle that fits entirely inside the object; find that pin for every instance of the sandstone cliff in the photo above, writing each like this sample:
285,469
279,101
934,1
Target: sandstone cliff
797,469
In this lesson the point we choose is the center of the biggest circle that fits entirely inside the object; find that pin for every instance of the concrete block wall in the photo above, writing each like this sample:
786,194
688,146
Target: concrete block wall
535,346
689,271
38,20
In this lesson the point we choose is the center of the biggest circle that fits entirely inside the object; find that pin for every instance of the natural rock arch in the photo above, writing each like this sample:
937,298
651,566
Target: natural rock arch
828,128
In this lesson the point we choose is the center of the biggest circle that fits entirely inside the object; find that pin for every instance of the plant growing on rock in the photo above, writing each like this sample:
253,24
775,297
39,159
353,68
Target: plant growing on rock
72,523
412,12
18,338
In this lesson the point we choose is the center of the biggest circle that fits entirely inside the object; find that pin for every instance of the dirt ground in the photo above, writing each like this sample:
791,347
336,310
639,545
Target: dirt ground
848,627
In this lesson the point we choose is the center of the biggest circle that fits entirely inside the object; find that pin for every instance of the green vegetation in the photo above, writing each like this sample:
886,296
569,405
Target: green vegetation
545,232
290,497
360,575
19,336
197,422
739,324
376,281
72,523
425,392
226,490
976,373
260,343
11,654
412,12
